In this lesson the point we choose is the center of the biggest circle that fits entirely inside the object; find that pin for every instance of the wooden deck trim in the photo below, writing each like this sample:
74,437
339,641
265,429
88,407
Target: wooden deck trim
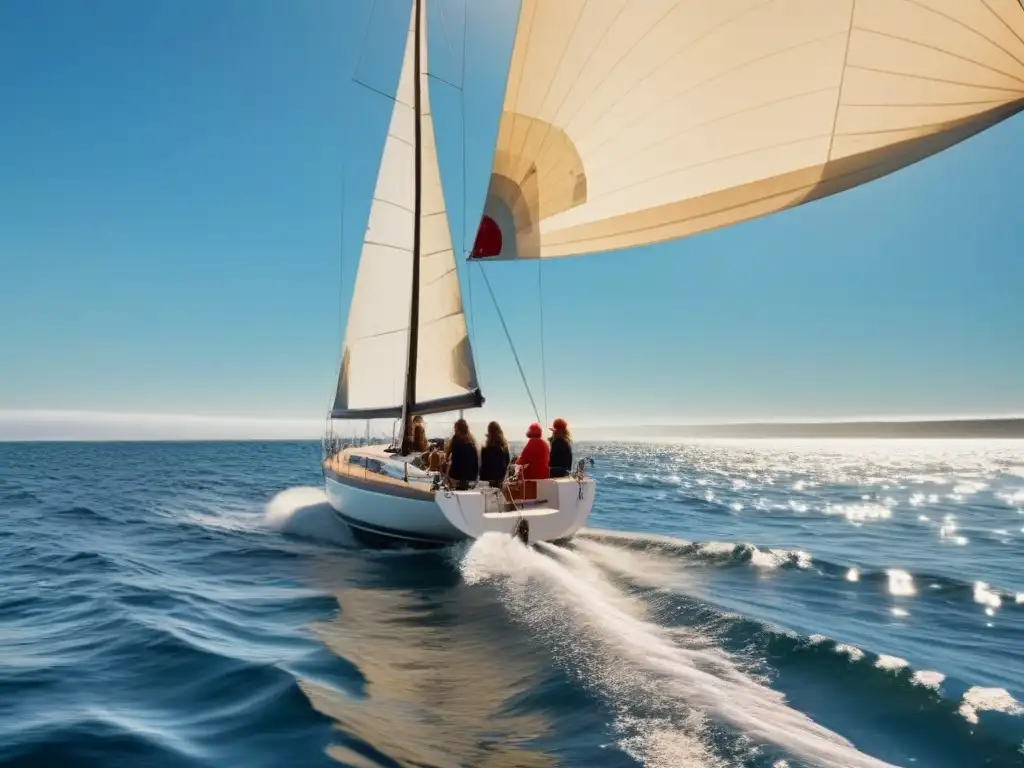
360,477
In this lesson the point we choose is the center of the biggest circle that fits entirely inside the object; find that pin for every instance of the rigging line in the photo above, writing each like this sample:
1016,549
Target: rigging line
447,37
462,113
465,208
543,359
440,79
510,344
472,313
362,46
367,86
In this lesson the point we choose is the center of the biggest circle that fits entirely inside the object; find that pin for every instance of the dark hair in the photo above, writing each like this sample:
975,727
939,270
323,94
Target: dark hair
495,436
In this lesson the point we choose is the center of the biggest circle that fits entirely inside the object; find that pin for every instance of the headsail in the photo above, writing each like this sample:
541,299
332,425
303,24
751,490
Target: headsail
372,380
628,122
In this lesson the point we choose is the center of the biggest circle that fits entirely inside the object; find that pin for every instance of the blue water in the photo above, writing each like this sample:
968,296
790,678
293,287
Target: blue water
733,604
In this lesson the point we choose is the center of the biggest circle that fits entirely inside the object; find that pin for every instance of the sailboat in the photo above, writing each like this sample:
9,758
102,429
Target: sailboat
627,123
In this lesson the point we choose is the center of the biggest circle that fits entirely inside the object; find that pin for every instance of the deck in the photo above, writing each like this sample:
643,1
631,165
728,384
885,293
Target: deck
368,473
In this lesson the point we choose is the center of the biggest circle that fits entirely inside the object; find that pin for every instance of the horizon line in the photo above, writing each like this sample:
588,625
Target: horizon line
81,425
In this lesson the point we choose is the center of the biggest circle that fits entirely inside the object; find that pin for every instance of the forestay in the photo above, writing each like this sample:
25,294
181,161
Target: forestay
371,383
628,122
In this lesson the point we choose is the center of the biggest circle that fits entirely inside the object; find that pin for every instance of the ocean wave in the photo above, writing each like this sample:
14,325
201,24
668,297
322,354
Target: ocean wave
895,581
752,639
198,690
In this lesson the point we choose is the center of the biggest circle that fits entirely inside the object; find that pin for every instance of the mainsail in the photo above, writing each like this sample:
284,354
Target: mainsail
376,356
629,122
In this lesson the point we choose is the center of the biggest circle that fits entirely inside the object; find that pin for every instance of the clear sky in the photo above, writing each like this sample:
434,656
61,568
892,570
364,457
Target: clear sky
173,179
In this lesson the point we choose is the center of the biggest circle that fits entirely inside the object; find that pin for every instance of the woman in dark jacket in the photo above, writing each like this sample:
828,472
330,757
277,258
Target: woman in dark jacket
561,449
463,460
494,456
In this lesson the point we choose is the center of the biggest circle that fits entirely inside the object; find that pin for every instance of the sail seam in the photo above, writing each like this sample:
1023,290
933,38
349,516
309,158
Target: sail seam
905,105
438,319
395,205
660,67
718,76
763,149
842,79
713,160
584,66
636,44
379,244
379,334
831,134
436,253
1018,106
399,138
554,76
969,29
442,277
1003,21
941,50
519,78
924,126
927,78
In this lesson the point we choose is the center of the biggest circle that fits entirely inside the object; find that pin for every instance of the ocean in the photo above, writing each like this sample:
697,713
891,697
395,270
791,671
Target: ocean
731,603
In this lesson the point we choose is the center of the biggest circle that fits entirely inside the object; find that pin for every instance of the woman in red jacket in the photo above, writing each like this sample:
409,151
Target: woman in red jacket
535,455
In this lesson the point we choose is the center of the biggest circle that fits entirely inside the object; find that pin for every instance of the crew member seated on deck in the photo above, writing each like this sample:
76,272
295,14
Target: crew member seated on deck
435,459
419,434
535,455
561,449
463,459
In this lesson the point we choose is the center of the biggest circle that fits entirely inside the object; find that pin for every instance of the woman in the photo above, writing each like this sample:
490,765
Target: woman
463,461
494,457
535,455
561,449
435,459
419,434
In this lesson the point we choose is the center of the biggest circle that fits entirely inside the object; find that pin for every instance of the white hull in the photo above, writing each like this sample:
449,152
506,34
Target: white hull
383,514
409,512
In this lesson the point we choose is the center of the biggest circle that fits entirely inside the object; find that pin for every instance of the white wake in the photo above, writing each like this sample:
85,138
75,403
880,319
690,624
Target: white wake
305,512
667,692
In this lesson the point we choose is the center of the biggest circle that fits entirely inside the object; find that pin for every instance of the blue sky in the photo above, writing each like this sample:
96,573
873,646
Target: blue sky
171,223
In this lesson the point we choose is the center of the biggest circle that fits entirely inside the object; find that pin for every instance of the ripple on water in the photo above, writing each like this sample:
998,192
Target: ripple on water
741,605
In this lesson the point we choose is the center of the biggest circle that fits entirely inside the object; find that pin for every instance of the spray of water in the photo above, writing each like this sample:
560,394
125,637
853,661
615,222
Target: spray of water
306,513
671,697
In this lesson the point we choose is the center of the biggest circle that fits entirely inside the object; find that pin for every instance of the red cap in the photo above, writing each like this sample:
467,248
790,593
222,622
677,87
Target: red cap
558,424
534,430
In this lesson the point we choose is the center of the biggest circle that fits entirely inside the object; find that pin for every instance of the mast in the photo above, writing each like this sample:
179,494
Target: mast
386,372
414,304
